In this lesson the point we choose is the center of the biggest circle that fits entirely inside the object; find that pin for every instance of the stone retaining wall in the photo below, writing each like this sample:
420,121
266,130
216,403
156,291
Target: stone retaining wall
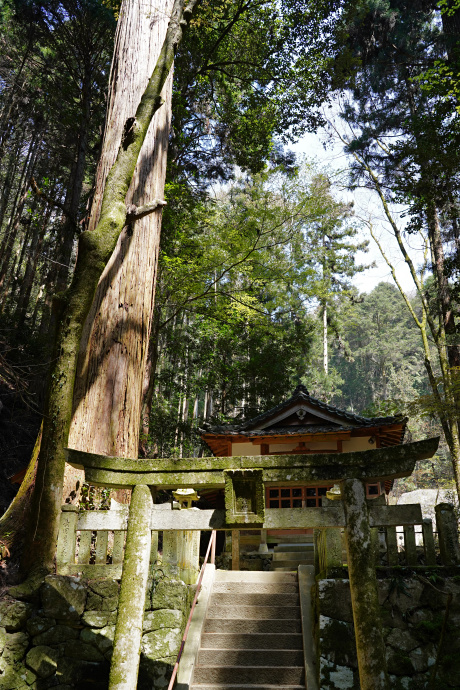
413,614
64,639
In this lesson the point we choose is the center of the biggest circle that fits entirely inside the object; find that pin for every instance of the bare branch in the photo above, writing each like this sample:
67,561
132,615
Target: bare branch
136,212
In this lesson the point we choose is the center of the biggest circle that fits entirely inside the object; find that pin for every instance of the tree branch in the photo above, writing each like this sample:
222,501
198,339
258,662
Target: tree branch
53,202
134,212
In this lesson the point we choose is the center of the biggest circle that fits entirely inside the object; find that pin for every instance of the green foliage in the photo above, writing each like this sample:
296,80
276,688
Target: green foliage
381,355
246,74
237,293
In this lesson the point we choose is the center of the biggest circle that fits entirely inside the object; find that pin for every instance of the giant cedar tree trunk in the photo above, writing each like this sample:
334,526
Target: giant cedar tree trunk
114,347
98,259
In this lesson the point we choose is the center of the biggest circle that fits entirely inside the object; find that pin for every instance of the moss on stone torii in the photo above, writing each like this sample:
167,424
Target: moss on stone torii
368,465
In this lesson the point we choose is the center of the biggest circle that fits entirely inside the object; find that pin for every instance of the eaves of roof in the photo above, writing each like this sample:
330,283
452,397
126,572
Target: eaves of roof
301,394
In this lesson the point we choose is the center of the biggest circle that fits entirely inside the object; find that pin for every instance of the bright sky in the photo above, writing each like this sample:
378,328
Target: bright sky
367,206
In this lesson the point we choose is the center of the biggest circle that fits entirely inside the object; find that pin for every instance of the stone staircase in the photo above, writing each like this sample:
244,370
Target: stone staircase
252,636
287,557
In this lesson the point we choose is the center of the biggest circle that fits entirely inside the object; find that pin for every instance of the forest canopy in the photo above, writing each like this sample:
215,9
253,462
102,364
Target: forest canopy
259,248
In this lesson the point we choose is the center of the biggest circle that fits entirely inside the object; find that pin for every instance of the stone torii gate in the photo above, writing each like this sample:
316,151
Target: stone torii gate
244,480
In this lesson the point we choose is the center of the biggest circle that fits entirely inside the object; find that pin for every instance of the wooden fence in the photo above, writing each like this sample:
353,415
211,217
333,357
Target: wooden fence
92,542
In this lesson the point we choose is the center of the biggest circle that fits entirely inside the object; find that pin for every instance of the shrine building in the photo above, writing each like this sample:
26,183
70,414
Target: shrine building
302,425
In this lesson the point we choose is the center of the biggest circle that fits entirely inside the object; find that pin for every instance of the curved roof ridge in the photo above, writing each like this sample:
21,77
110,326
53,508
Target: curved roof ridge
301,393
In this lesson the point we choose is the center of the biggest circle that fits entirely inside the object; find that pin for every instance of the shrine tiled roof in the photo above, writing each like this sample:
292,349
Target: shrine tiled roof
343,421
297,429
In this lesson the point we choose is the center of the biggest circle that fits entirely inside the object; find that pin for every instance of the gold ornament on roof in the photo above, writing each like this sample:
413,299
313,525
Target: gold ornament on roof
335,493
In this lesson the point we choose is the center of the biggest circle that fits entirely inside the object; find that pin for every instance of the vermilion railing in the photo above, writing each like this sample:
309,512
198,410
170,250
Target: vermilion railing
211,548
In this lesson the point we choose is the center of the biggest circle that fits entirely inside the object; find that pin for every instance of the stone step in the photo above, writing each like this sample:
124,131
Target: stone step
300,546
256,587
253,599
237,640
260,576
289,566
289,538
254,612
293,555
250,657
246,687
227,686
278,676
252,626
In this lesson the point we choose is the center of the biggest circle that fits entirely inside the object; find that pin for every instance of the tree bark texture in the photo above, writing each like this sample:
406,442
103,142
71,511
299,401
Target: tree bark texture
114,346
95,255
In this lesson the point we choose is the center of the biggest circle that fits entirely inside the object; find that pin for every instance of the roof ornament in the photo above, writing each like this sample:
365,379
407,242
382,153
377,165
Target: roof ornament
301,414
301,389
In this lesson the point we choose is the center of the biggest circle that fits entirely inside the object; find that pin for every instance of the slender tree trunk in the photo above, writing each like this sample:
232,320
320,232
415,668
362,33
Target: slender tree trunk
325,352
73,195
29,277
149,381
7,245
442,284
10,174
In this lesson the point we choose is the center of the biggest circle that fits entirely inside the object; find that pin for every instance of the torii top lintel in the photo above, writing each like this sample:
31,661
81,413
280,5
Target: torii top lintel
369,465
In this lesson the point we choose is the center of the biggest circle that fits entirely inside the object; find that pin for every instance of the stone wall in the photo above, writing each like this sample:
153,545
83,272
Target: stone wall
413,613
64,638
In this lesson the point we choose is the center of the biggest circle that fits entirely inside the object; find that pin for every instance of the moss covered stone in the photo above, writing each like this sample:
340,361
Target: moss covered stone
161,643
163,618
94,602
335,599
14,614
99,619
56,635
101,638
15,646
423,658
338,639
104,587
78,673
399,663
334,677
79,649
42,660
402,640
11,678
155,673
170,594
63,597
109,603
37,625
363,586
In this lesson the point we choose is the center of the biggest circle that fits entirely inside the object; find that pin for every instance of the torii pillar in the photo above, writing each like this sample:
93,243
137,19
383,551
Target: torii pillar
370,645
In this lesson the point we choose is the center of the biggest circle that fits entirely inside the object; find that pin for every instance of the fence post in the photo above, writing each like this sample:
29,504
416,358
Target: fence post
333,549
410,545
263,548
428,541
317,549
446,522
392,546
67,538
171,552
154,547
235,549
375,544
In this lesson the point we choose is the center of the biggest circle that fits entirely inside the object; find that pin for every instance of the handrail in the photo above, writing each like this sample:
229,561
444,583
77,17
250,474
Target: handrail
212,548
